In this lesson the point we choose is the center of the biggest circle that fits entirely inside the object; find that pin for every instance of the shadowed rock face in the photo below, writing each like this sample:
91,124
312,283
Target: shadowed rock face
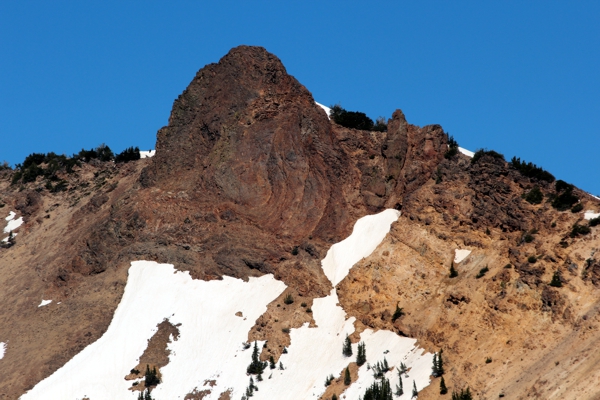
248,134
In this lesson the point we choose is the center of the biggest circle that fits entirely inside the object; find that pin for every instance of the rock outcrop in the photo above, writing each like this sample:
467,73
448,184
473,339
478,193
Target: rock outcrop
250,177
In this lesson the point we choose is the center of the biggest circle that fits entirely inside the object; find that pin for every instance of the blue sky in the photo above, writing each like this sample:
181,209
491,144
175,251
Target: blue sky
521,78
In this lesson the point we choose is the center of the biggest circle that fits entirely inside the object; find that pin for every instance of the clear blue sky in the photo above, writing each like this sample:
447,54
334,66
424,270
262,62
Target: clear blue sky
522,78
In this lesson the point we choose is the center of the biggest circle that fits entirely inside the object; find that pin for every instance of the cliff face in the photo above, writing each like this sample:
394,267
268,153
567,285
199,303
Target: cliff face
250,177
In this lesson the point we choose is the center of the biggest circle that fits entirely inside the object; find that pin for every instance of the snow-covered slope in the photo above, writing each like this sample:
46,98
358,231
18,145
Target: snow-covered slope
368,232
210,344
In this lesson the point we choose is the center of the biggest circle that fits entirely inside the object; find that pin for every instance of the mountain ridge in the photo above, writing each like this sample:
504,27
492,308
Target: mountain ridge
251,178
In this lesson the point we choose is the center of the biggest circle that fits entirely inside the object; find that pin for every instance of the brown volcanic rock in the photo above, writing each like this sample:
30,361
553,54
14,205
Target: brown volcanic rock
248,169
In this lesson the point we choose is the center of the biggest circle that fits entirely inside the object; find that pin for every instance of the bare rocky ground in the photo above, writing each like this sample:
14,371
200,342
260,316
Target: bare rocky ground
251,178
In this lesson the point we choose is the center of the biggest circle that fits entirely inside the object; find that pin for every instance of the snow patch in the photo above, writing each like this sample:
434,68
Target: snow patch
590,214
366,235
2,350
209,346
44,303
396,350
5,240
466,152
12,223
147,154
327,109
460,255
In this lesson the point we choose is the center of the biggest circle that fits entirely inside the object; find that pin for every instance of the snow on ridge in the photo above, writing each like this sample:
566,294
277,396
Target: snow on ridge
2,349
327,109
460,255
44,303
590,214
147,154
367,234
466,152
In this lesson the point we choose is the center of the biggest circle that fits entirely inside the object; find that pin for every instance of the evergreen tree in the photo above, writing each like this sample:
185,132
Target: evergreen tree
440,363
556,281
272,362
256,366
334,397
347,379
443,388
280,365
399,388
415,392
328,380
347,348
402,368
464,394
453,271
398,313
379,390
434,368
361,356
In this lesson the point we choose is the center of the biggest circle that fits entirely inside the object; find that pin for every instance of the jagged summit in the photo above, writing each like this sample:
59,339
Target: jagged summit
251,178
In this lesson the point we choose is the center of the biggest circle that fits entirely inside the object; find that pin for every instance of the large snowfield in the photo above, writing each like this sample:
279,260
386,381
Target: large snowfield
210,344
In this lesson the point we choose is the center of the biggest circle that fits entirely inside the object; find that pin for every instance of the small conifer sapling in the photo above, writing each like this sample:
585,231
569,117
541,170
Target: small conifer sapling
443,388
453,271
347,379
347,348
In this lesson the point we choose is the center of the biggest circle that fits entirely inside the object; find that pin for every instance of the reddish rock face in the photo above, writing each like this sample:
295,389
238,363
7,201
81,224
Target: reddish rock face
248,134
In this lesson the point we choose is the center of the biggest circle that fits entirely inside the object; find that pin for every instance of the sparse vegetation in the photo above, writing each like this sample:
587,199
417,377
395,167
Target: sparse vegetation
350,119
399,389
380,368
256,367
453,271
488,360
482,272
347,378
295,251
594,221
579,230
288,299
452,147
534,196
328,380
347,347
556,279
129,154
577,208
379,390
463,394
483,152
397,313
531,170
361,356
151,377
564,198
443,388
356,120
531,259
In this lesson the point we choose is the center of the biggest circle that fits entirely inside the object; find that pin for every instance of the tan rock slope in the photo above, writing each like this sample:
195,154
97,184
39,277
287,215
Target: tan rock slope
250,177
